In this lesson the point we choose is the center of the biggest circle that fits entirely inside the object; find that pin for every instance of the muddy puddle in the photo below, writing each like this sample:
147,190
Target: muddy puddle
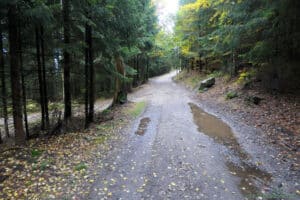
143,126
216,129
251,178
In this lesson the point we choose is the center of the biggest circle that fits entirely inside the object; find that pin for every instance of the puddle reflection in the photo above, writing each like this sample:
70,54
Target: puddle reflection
143,126
251,177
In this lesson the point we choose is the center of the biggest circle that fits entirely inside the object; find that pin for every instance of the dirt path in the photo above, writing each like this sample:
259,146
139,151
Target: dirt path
168,154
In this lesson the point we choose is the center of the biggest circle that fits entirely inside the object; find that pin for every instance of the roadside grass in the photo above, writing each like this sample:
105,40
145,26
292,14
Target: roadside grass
137,109
106,111
100,139
231,95
36,153
80,166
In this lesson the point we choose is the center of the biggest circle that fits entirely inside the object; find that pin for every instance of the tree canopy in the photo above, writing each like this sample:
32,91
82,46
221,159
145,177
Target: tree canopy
230,33
72,50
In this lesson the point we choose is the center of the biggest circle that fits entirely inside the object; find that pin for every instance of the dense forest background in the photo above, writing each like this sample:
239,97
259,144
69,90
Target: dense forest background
56,55
60,54
260,38
225,123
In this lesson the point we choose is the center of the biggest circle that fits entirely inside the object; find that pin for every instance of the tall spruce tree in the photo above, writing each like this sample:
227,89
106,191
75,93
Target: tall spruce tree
15,75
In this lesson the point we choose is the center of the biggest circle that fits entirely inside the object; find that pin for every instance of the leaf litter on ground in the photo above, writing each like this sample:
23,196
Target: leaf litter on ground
63,166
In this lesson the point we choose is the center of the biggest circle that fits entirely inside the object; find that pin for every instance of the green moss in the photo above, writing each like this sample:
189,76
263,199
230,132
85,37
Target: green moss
106,111
100,140
36,153
44,164
80,167
105,127
231,95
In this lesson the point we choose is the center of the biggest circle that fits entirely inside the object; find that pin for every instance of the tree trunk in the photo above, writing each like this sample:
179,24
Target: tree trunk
91,76
147,69
3,83
15,74
137,71
40,77
120,93
44,77
86,72
24,102
23,82
233,72
67,59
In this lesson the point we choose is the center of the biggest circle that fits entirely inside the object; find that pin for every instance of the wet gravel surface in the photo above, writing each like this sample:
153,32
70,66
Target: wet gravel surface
173,159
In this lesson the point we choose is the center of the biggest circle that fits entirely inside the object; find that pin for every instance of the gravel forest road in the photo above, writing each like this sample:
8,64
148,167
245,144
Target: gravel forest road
175,150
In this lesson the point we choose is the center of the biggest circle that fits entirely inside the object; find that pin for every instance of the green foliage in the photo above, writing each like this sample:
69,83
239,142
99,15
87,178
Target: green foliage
236,32
44,164
182,2
104,128
36,153
122,97
245,77
130,71
231,95
100,140
164,55
32,106
80,167
55,105
124,27
106,111
216,74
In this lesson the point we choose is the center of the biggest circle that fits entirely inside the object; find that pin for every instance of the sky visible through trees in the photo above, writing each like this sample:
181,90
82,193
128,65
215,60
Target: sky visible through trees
166,11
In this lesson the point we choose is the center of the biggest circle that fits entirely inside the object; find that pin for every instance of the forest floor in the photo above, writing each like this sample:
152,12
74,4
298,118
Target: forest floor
63,166
34,118
168,142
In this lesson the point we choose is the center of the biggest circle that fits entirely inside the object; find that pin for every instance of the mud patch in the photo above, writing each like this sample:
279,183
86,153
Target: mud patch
251,177
216,129
143,126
